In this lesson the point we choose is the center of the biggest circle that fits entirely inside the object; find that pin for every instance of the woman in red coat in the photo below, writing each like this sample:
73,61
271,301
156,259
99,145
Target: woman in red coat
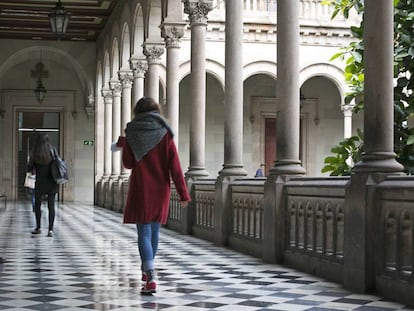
150,152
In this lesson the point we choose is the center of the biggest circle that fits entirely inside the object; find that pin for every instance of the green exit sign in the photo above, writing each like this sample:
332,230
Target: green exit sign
88,142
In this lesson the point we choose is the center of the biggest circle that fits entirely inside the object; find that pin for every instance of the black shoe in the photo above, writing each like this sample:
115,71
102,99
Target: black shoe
36,231
50,234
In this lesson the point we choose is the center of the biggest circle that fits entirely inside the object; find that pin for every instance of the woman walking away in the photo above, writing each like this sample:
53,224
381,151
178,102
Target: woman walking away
149,150
40,160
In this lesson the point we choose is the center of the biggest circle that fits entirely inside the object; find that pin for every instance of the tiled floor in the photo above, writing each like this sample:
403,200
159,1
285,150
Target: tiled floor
92,263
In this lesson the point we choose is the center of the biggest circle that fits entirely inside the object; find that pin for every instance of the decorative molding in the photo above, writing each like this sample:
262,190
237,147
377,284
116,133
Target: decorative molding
126,78
153,52
138,66
198,10
172,34
107,95
116,88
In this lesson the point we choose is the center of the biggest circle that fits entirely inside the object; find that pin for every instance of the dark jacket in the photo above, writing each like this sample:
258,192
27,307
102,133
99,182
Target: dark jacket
45,184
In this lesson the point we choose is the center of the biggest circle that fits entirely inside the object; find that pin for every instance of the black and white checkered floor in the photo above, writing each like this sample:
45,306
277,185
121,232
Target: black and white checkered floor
92,263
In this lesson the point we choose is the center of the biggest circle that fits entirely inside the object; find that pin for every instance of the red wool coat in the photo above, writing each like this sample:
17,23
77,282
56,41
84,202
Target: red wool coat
150,182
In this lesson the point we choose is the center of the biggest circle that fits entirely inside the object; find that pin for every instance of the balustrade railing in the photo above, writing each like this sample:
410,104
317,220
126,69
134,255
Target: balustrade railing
175,208
204,205
397,229
247,210
316,226
315,217
307,8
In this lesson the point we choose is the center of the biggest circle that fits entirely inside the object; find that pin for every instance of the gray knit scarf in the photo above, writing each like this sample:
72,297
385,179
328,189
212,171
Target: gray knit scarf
145,131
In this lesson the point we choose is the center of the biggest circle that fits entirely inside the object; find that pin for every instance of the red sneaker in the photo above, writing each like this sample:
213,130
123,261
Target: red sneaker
144,277
149,288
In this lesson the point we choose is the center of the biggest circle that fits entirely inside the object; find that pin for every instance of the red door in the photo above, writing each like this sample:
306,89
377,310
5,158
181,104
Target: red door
270,143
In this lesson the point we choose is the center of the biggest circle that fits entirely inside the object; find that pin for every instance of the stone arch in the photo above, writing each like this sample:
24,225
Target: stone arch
212,67
115,59
260,67
106,70
329,71
138,31
125,46
57,55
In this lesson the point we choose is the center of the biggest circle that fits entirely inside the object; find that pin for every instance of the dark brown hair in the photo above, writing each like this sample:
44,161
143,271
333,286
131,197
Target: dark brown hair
42,150
146,104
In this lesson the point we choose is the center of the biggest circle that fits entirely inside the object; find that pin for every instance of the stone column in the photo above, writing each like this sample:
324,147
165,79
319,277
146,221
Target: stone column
153,52
116,89
126,82
347,111
172,33
378,153
288,115
106,199
197,11
107,95
139,67
233,108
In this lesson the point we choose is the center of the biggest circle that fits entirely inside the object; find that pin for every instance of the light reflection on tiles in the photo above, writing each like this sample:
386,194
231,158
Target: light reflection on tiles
92,263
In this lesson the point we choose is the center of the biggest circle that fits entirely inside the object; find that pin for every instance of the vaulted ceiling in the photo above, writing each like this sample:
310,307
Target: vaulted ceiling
28,19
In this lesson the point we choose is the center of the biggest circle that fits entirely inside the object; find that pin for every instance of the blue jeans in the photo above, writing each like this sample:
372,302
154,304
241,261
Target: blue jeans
148,236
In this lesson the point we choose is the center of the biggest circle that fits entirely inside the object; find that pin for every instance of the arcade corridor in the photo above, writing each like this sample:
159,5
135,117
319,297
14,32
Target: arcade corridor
92,264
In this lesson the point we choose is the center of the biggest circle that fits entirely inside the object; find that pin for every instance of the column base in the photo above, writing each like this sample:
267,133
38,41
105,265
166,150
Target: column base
124,177
233,170
379,162
194,172
287,167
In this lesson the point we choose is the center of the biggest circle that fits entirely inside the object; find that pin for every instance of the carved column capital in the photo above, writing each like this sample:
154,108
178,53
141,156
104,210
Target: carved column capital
107,95
172,34
347,109
116,88
126,78
197,10
153,52
139,67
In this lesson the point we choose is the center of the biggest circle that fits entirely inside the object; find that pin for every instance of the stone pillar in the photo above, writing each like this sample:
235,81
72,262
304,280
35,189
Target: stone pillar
139,67
197,11
172,33
126,82
116,89
378,160
347,111
287,130
378,153
233,108
107,95
288,106
153,52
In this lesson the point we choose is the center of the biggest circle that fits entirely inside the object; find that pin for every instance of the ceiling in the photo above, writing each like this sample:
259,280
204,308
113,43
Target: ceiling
28,19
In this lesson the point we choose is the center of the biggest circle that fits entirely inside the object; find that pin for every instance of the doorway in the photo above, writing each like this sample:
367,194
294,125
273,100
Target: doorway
270,144
28,123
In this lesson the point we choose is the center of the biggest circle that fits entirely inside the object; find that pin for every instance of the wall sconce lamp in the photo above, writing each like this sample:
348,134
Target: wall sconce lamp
40,91
59,19
39,73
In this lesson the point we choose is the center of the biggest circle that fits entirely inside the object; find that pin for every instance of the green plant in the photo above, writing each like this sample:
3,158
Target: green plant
353,55
347,153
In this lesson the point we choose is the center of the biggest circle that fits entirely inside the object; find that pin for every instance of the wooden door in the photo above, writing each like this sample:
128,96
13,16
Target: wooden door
270,144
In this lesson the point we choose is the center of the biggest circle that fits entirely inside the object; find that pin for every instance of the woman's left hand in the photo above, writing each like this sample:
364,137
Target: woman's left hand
184,203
